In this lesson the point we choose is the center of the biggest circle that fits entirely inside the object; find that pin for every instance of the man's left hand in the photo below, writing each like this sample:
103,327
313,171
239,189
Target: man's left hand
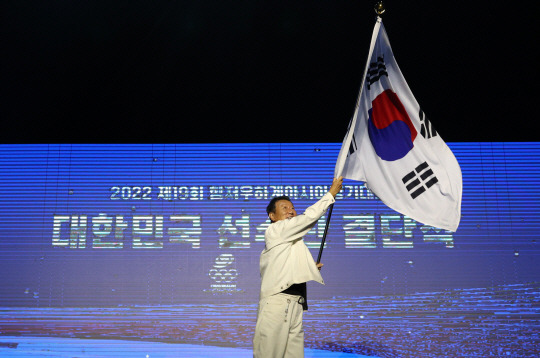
319,266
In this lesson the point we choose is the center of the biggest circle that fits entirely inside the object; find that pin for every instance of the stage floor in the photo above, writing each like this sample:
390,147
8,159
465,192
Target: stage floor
11,346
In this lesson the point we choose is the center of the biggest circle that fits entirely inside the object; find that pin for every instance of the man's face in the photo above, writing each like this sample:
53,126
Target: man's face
284,210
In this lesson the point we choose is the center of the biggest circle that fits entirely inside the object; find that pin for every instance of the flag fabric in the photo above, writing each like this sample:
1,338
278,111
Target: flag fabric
392,147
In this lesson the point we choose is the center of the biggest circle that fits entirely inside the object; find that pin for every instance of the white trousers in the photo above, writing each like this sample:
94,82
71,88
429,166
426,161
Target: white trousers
279,332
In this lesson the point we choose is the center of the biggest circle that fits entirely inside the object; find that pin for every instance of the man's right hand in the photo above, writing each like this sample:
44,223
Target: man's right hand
336,186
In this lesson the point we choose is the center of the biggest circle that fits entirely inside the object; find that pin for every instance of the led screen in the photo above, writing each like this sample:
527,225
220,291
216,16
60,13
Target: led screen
161,243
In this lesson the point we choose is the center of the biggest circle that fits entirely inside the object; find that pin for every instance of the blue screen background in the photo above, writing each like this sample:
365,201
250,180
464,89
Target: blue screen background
162,242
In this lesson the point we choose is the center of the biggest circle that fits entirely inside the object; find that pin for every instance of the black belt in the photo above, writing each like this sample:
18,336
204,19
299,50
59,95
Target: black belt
298,289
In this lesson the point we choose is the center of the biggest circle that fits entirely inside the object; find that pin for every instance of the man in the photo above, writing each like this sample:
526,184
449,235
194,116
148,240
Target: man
286,265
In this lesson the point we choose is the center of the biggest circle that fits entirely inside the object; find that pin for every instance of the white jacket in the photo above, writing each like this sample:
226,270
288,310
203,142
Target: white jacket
286,260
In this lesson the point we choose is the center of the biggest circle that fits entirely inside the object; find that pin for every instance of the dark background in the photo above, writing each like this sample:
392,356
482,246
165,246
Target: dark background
257,71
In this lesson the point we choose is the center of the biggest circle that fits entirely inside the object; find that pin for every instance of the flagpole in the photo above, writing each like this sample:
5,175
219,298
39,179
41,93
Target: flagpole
379,10
342,157
330,208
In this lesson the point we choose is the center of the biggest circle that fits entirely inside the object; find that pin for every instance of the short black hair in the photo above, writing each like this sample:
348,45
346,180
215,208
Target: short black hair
271,208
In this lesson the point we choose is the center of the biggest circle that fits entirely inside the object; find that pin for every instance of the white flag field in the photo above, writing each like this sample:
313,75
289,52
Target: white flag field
392,147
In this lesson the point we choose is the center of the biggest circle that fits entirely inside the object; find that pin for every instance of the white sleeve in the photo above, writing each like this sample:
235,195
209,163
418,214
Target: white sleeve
295,228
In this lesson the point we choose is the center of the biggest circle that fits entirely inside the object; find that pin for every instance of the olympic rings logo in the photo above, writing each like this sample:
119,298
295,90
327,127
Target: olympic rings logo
221,273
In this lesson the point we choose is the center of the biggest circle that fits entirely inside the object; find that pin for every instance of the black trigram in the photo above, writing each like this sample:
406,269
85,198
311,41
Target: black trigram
419,180
426,130
352,147
376,70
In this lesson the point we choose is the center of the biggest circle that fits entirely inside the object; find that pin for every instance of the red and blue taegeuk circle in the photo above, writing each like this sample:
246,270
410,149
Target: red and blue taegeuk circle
389,127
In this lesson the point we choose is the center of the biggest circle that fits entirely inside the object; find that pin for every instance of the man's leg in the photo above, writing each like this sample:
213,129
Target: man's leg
295,344
272,329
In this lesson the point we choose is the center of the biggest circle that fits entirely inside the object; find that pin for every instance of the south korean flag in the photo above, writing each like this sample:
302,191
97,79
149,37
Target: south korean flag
393,147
